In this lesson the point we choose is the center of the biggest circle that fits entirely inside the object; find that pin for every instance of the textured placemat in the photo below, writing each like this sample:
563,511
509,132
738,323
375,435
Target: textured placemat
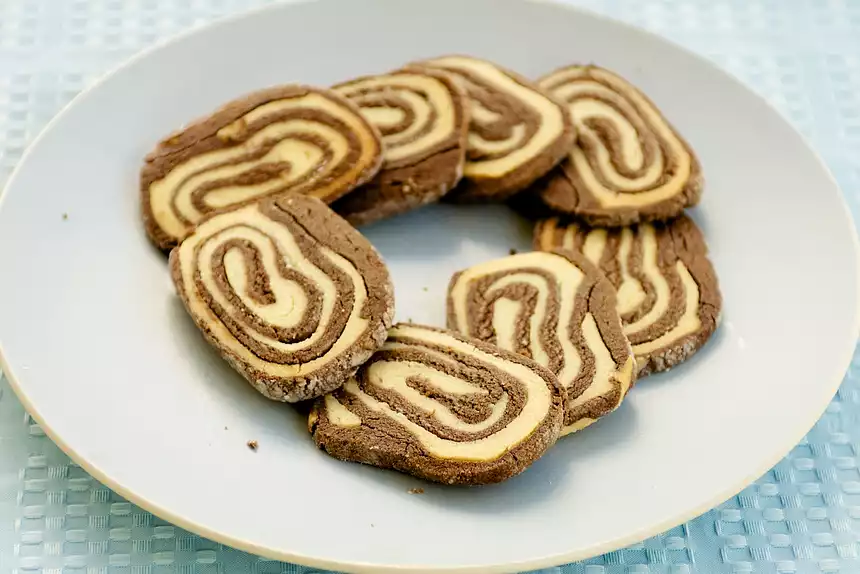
803,516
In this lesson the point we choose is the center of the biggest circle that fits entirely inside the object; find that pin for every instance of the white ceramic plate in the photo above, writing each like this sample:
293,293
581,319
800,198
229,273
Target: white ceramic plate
103,355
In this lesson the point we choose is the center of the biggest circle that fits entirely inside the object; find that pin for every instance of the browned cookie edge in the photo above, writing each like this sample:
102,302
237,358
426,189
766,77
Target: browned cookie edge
563,190
333,232
397,191
200,136
560,192
500,189
602,305
342,443
404,186
600,302
677,239
691,249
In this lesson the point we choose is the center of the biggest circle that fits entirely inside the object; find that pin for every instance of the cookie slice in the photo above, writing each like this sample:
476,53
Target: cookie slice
442,407
517,132
667,291
629,164
555,308
423,119
290,138
288,292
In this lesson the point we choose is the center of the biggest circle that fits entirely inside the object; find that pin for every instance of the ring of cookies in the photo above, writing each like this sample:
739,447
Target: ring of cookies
258,205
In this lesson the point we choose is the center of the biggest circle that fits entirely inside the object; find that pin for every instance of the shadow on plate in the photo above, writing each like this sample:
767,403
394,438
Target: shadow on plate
225,385
537,484
452,225
681,374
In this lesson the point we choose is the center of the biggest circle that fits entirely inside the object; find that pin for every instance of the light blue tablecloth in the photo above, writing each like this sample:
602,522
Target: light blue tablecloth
803,516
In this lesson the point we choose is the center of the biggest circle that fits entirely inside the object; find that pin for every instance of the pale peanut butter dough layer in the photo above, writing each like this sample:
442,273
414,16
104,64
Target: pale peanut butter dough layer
667,291
288,292
423,117
442,407
517,133
629,164
557,309
285,139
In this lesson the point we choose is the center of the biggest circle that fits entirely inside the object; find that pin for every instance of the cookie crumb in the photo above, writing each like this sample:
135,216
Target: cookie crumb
512,251
416,491
65,216
252,444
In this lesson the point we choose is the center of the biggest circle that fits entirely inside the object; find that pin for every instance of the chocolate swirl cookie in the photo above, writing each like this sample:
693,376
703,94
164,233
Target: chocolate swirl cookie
667,292
629,164
517,131
557,309
442,407
288,292
291,138
423,119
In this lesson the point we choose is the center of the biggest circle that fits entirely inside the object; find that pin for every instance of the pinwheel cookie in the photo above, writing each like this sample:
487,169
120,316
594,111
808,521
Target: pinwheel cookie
555,308
283,139
442,407
629,164
423,118
667,291
517,131
288,292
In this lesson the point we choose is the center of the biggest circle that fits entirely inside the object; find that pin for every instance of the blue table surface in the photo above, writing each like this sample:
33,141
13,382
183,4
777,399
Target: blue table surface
802,516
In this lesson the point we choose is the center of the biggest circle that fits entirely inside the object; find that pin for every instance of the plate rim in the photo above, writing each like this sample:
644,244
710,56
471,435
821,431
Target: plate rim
826,393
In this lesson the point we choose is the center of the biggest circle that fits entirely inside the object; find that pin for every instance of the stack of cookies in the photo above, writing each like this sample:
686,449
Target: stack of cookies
258,202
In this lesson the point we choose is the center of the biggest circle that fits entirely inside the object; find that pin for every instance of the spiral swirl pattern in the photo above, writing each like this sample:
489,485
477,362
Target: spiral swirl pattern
517,131
667,291
423,119
557,309
629,163
442,407
288,292
288,139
